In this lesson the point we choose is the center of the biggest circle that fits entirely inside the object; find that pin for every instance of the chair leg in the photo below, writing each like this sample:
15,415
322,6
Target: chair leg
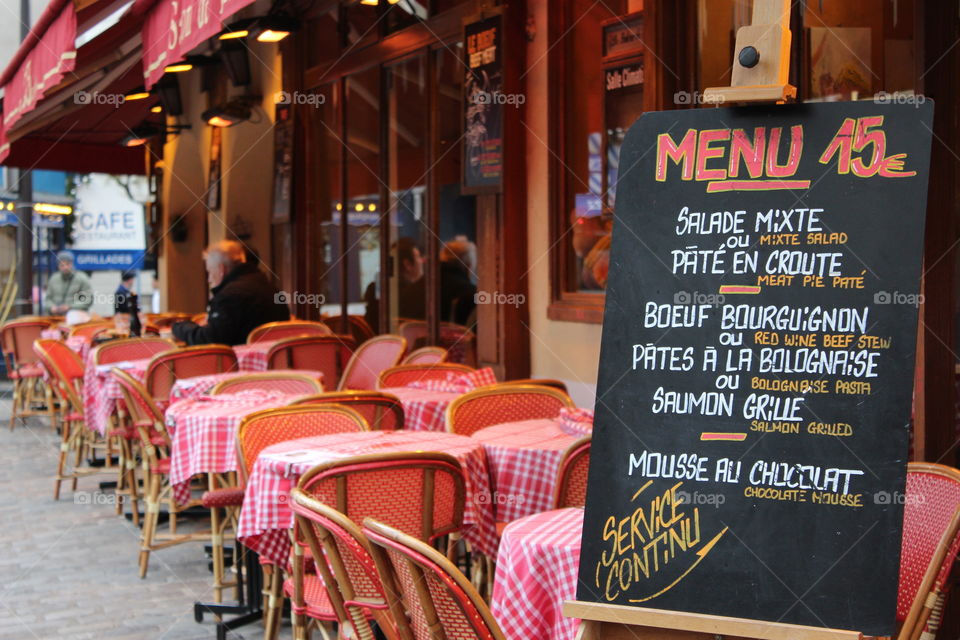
134,485
62,460
271,625
149,523
15,400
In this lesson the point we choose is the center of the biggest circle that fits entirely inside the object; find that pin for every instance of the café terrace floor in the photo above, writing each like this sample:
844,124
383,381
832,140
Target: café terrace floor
69,567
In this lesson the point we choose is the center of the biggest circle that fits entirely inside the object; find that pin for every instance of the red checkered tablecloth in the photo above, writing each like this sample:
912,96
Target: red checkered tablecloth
423,409
203,433
101,390
523,458
253,357
536,573
266,518
201,385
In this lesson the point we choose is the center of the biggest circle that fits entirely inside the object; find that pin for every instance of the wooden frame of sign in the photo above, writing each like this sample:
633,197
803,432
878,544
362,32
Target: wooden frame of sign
764,82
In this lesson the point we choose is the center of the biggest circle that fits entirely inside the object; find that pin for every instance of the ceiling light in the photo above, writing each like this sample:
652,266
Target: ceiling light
233,35
140,134
358,207
52,209
178,68
156,109
226,115
276,27
376,3
237,30
137,94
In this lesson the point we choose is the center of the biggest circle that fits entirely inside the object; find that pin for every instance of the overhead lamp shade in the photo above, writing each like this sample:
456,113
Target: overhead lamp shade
275,27
140,134
229,114
233,54
168,88
237,30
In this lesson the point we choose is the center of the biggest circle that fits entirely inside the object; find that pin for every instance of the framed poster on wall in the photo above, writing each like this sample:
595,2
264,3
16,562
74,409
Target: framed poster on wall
282,164
484,103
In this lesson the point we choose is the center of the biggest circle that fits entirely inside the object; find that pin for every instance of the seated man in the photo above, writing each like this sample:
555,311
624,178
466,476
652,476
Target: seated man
242,298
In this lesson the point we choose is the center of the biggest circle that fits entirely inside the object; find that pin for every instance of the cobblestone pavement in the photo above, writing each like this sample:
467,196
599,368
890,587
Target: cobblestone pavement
69,567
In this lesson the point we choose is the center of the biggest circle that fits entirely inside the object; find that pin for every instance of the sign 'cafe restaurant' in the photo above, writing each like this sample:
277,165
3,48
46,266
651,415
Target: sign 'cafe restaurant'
726,230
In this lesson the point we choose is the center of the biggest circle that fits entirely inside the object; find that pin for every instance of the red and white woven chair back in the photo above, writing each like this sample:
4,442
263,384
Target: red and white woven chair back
370,359
265,428
382,411
350,574
425,590
90,329
425,497
426,355
404,374
503,403
327,354
65,369
130,349
289,383
17,338
356,326
287,329
168,367
142,408
572,475
932,500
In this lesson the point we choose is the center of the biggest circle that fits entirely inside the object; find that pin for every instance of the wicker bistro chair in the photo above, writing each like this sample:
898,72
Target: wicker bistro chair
404,374
287,329
23,367
426,501
166,368
371,358
147,419
291,383
427,595
256,432
571,486
89,330
124,433
559,385
426,355
66,379
503,403
382,411
327,354
931,537
356,326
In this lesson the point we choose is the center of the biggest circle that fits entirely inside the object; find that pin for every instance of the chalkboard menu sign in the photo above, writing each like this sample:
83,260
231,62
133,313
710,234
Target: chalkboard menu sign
756,371
483,104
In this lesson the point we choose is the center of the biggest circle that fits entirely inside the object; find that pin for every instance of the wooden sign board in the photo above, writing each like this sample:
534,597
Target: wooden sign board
756,370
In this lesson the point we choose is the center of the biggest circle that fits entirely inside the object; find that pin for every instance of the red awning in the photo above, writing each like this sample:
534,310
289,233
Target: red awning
81,122
45,56
174,27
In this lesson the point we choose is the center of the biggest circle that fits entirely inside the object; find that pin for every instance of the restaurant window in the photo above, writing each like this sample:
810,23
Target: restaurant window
328,203
600,89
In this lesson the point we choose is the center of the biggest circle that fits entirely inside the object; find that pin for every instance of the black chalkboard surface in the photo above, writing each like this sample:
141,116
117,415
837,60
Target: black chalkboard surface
756,370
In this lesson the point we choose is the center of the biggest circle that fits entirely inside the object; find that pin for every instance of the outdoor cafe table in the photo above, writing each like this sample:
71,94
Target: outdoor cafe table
536,573
266,518
423,409
523,458
203,433
253,357
101,390
201,385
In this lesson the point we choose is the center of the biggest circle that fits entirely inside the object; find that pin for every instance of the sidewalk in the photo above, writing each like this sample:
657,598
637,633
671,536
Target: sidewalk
70,567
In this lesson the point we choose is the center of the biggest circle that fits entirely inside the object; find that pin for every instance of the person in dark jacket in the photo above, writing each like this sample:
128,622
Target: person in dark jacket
457,291
242,298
